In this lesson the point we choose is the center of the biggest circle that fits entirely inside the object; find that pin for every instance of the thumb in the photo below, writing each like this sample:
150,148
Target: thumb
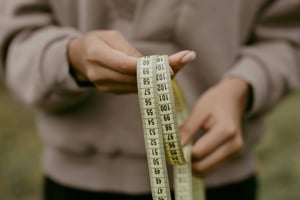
195,122
178,60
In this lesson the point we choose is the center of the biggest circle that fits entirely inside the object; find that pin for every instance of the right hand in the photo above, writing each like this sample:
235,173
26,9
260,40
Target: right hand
108,60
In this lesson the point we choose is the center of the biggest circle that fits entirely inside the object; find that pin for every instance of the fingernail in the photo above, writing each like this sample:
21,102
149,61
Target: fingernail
171,71
182,143
189,57
182,140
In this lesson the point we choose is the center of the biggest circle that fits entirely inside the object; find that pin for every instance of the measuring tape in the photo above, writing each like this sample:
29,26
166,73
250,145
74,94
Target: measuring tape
162,112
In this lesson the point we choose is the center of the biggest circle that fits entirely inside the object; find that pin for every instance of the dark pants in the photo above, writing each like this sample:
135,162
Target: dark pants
244,190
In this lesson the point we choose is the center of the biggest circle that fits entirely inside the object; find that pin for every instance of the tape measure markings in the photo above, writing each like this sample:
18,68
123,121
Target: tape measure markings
153,137
168,113
160,123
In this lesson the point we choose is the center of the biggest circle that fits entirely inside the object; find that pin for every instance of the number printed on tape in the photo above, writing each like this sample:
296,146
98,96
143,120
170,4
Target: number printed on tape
160,124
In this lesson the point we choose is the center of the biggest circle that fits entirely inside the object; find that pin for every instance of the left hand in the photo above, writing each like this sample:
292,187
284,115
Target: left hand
218,111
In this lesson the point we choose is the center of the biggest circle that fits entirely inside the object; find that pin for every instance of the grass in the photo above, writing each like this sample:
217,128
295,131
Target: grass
278,152
20,149
20,174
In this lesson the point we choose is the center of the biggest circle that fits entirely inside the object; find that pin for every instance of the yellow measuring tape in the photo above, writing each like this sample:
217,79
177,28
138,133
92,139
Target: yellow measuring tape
162,112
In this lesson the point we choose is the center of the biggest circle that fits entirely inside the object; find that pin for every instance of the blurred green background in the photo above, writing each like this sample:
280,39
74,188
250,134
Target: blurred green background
20,149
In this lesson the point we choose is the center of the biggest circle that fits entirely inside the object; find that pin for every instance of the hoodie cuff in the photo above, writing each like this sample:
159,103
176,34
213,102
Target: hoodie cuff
56,57
250,69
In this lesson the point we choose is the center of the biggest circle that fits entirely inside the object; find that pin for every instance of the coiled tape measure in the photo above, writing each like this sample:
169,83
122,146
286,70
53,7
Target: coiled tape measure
162,112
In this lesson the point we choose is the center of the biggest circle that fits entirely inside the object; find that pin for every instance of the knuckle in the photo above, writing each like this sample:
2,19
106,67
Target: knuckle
230,130
238,144
92,75
103,88
196,155
199,170
123,66
92,52
114,33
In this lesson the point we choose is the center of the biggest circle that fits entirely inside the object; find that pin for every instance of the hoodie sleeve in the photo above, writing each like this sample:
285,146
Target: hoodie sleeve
33,50
271,63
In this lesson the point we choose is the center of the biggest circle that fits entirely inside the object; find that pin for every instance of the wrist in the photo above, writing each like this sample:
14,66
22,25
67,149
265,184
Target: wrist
74,63
239,89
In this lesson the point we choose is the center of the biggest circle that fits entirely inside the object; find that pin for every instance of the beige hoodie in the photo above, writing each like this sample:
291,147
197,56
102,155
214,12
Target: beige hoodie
94,140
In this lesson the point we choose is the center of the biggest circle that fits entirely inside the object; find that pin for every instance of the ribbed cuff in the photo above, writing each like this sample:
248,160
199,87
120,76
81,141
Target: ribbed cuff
250,69
56,57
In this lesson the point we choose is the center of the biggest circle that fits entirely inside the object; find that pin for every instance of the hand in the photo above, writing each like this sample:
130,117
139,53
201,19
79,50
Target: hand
218,111
108,60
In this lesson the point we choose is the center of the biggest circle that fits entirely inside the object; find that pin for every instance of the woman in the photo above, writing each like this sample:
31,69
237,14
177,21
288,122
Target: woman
69,59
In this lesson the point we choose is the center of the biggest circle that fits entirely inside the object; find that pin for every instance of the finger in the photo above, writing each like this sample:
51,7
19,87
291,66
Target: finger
178,60
117,41
218,157
117,88
211,140
192,124
112,58
99,74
